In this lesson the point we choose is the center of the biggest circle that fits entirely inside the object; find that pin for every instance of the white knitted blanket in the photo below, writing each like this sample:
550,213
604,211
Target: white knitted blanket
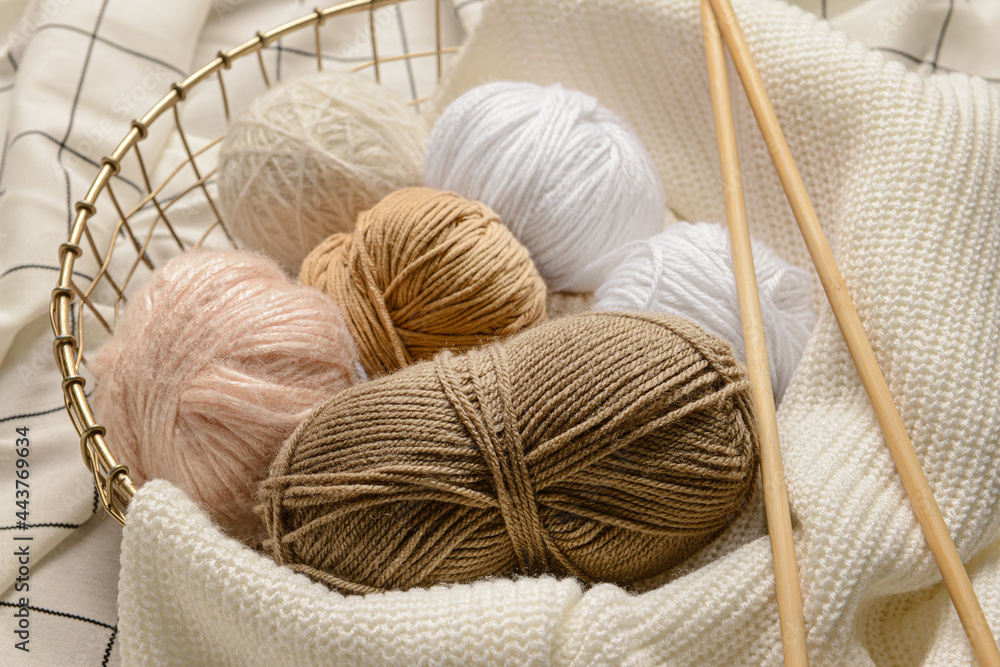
904,174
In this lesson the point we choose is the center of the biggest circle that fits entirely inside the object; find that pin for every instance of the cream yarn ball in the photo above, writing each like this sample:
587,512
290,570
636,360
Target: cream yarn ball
568,177
687,270
309,155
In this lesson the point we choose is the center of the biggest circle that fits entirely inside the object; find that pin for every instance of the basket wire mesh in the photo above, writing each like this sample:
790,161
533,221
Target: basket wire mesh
116,234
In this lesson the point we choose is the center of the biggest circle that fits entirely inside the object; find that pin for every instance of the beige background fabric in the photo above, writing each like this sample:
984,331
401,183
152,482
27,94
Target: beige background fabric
925,35
73,75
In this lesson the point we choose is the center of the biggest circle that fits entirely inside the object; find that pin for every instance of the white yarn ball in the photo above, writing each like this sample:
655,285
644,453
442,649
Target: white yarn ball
687,270
568,177
309,155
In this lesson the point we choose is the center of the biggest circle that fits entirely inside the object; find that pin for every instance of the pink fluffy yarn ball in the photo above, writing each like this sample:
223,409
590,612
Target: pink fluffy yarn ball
215,361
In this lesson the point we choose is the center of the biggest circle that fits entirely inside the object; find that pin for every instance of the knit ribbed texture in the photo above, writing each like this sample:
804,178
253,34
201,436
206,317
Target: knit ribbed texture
426,270
905,176
607,446
284,619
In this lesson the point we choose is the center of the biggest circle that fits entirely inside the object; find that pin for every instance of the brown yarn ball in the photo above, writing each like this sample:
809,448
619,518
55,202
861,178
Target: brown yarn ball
426,270
608,446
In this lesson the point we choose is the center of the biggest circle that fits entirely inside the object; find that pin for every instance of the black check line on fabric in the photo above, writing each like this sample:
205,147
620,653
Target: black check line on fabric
62,146
40,413
944,29
72,117
146,206
111,643
104,40
277,46
42,525
61,614
406,49
281,49
3,158
75,617
277,60
21,267
72,307
358,59
921,61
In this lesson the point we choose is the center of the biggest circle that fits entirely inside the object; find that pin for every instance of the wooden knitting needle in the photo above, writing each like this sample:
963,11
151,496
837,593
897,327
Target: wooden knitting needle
779,522
925,507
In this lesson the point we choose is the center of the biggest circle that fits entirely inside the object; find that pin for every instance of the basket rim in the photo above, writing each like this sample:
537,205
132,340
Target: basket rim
115,488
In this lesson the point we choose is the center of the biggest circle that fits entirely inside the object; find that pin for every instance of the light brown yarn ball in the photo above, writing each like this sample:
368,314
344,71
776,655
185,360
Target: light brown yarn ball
426,270
309,155
608,446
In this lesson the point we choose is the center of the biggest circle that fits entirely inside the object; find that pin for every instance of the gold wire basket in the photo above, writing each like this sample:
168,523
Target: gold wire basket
121,236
